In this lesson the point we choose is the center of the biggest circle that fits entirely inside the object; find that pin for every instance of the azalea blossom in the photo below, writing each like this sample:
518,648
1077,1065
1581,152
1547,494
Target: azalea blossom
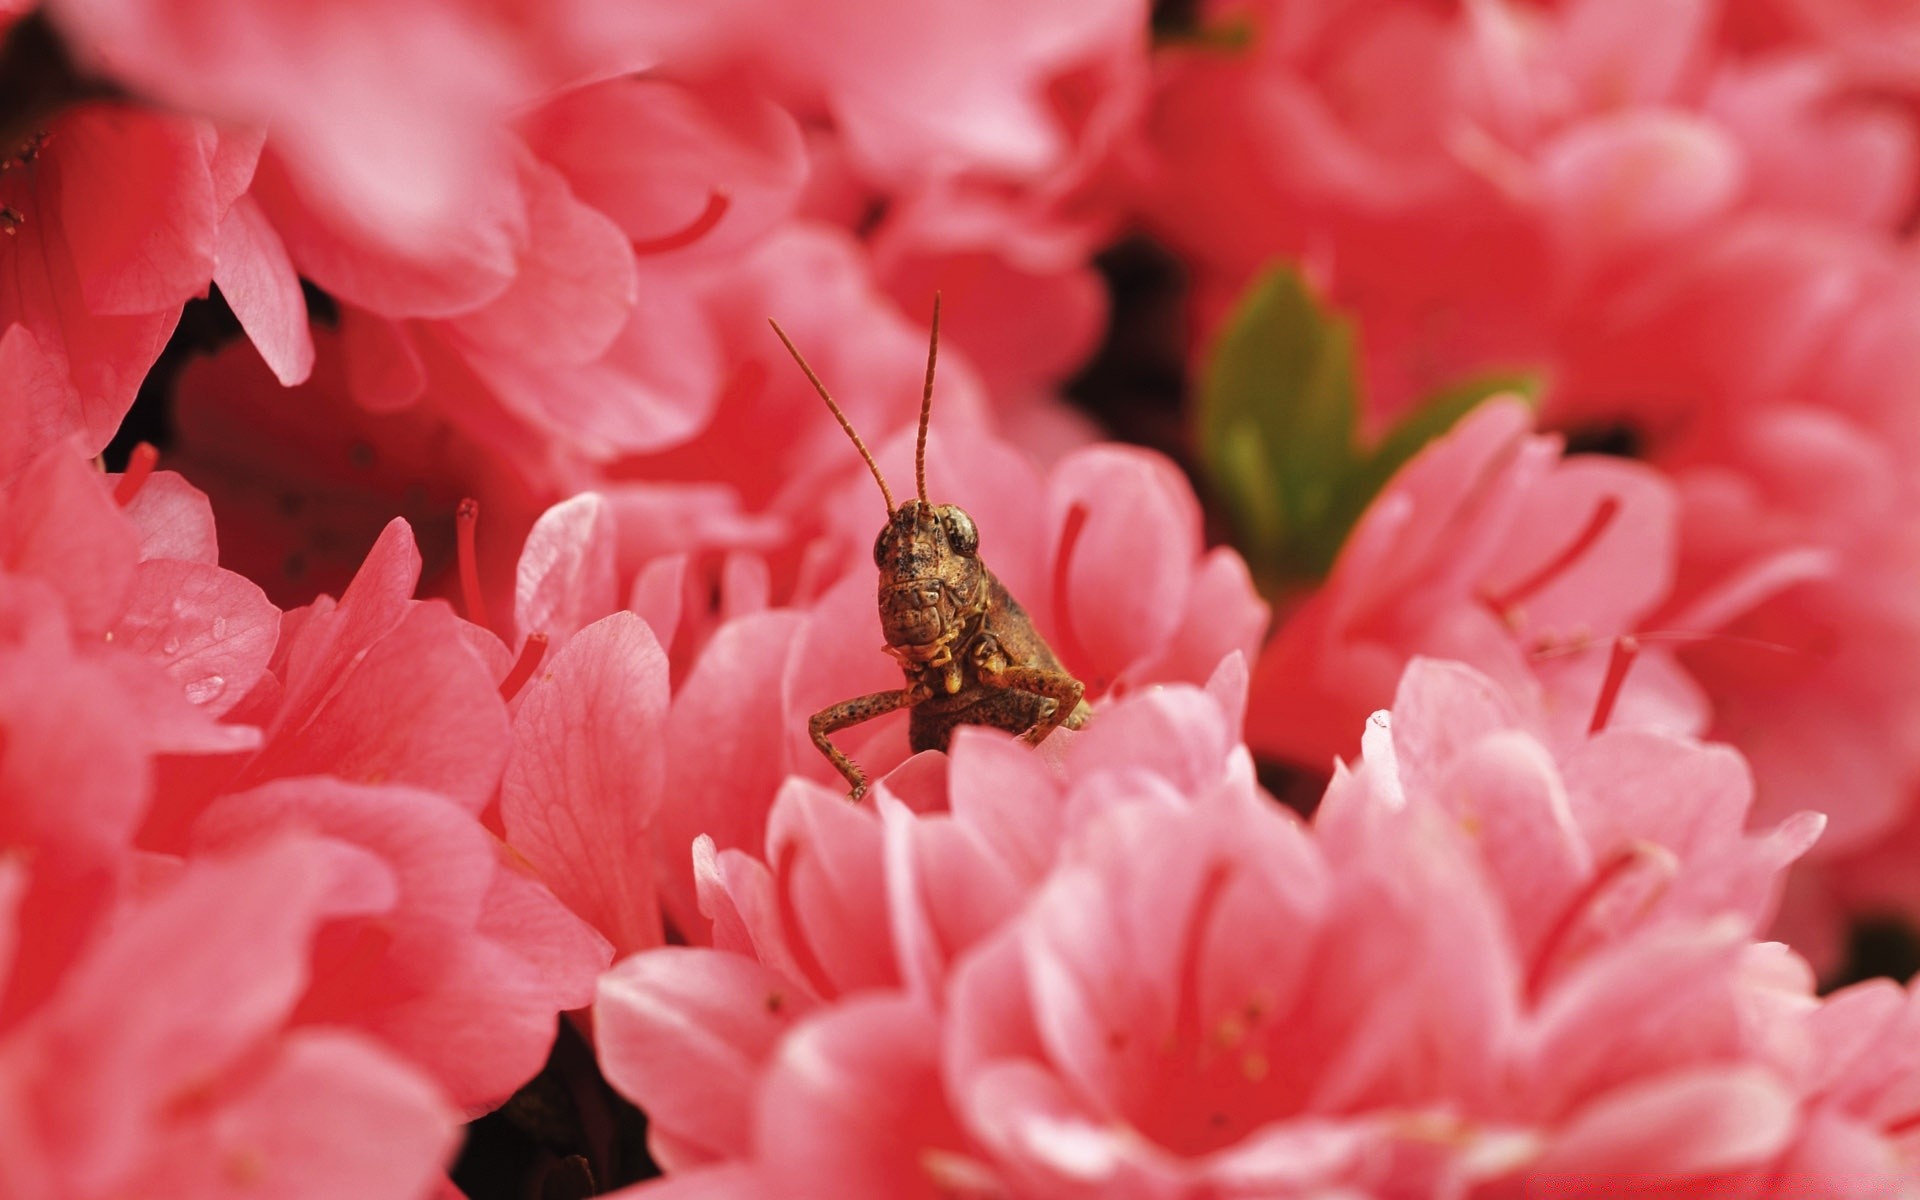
1127,972
420,735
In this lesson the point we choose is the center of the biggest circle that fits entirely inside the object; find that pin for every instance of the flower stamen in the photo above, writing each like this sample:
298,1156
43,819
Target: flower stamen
717,204
532,651
1625,648
466,517
1554,945
1504,603
140,465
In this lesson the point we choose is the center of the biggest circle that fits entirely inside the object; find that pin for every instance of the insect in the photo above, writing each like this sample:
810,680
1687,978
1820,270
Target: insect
969,653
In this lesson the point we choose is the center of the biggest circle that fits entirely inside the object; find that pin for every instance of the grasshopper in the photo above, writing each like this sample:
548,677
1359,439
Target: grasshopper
969,653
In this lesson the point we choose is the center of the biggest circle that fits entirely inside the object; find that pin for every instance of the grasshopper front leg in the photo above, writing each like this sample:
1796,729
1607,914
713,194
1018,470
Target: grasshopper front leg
1063,689
852,712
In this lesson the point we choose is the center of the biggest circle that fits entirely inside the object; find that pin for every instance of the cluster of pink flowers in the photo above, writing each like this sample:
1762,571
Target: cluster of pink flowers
487,708
1690,218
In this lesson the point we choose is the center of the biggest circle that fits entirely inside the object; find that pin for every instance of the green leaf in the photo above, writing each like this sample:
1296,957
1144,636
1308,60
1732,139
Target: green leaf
1426,421
1278,428
1277,417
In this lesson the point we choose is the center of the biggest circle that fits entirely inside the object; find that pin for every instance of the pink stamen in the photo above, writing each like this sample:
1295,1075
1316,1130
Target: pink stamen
139,466
531,652
717,205
1603,515
1624,650
1548,651
465,519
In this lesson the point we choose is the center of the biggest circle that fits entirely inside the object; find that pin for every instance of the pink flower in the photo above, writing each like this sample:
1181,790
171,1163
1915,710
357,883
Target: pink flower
1491,549
380,688
848,899
570,318
584,783
865,67
1685,220
460,966
94,287
1629,829
387,118
164,1059
464,962
1131,974
185,639
1115,578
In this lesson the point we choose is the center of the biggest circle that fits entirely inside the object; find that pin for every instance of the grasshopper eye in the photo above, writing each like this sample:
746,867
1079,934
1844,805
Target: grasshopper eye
962,537
880,548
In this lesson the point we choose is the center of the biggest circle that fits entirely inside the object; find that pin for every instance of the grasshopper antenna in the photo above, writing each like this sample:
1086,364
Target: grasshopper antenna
926,404
845,424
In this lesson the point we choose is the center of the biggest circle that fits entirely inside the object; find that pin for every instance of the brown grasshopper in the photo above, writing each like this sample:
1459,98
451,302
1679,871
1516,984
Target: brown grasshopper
968,650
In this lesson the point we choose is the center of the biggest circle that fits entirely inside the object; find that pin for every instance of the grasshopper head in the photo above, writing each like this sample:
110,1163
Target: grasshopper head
931,580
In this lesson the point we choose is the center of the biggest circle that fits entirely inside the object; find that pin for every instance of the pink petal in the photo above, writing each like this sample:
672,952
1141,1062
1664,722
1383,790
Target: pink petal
1635,785
329,1115
1135,509
583,782
467,263
71,782
173,520
654,387
415,707
257,280
853,1105
181,988
654,153
1176,733
827,858
372,604
136,258
726,739
39,405
211,630
1632,51
1004,793
1688,1123
1637,1008
1022,323
658,593
566,576
734,1181
1224,615
1441,709
1635,180
740,896
1617,579
686,1034
62,527
572,289
467,971
946,891
384,370
1507,797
